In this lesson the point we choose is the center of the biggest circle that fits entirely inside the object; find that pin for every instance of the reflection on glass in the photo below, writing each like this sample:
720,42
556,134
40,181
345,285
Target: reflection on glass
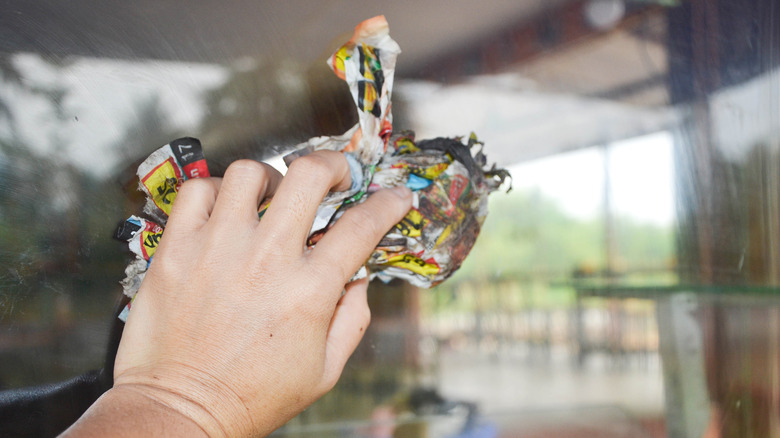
627,286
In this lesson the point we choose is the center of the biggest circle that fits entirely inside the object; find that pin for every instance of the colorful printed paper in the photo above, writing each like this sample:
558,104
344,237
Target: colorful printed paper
449,177
160,177
450,181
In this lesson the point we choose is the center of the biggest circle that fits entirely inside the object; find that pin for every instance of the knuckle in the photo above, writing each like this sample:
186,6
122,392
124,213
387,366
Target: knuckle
313,165
246,168
300,200
310,310
165,266
195,186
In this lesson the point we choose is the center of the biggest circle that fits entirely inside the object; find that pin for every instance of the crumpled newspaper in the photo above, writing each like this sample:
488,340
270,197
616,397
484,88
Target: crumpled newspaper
450,181
160,177
450,185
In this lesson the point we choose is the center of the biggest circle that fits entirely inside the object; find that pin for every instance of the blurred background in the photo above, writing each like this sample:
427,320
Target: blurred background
629,285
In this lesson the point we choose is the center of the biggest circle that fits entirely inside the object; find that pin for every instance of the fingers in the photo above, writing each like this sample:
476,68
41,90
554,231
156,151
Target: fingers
346,246
347,327
193,205
288,220
245,185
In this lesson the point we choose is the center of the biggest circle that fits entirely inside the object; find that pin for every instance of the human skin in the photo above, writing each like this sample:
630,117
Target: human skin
238,326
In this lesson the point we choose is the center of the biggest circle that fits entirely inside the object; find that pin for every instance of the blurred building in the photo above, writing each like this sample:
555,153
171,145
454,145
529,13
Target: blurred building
535,79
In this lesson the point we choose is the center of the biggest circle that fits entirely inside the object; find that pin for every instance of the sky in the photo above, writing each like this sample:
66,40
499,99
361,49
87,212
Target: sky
641,179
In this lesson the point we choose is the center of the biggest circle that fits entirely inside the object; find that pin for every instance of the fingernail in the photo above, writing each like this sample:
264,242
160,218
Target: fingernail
402,192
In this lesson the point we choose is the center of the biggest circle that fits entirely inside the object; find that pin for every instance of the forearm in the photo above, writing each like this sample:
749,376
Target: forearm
128,412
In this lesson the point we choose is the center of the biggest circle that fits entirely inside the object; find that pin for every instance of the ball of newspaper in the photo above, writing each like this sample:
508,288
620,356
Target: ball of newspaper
450,184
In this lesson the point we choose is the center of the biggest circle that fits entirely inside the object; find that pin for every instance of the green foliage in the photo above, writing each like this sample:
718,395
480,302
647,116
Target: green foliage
529,236
530,248
526,234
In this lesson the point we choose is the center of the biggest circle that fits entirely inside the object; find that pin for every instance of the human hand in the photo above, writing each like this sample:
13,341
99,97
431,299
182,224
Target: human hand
237,326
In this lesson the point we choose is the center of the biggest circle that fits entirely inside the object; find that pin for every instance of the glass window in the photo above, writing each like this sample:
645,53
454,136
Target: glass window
626,286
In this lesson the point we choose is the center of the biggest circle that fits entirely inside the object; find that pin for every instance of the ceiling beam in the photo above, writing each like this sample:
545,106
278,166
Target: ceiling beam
555,29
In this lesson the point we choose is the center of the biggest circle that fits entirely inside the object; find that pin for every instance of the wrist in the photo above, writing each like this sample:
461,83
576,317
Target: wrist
131,412
197,396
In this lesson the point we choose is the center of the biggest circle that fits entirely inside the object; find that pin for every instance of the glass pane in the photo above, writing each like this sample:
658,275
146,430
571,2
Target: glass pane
627,286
